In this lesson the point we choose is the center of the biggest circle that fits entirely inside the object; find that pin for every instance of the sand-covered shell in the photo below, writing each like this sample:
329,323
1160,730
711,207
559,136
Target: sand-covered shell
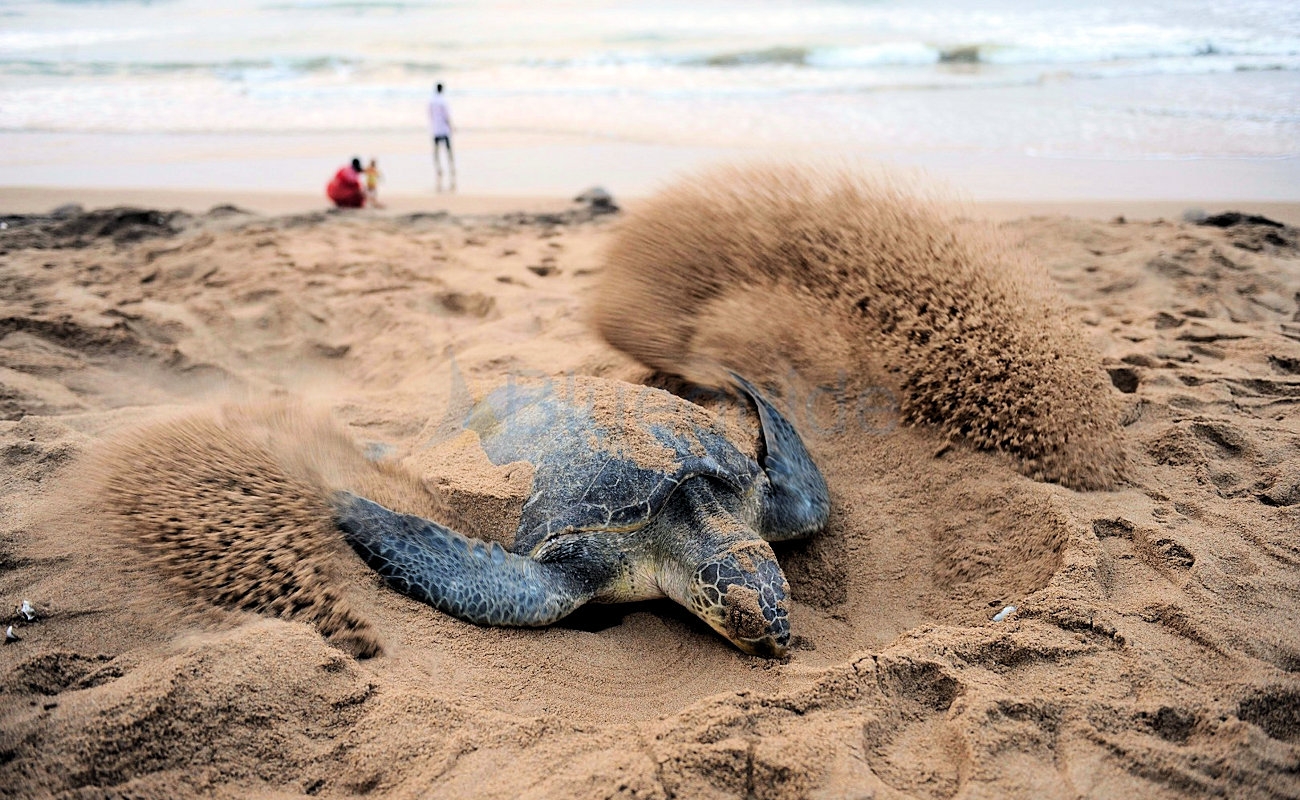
607,455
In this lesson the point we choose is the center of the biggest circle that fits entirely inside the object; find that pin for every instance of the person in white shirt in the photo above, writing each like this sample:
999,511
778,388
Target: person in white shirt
440,128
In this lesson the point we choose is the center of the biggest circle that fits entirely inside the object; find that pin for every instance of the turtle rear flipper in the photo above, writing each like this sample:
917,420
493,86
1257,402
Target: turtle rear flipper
796,502
467,578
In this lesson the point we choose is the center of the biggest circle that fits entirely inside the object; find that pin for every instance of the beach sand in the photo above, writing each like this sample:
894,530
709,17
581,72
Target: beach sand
1152,652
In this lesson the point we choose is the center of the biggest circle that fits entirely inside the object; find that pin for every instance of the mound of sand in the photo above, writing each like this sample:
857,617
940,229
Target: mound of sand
1153,652
834,270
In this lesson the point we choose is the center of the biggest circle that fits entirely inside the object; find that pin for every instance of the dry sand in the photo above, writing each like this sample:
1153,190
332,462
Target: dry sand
1153,653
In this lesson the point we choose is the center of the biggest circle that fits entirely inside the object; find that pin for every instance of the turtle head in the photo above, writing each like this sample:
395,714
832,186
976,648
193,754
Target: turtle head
741,593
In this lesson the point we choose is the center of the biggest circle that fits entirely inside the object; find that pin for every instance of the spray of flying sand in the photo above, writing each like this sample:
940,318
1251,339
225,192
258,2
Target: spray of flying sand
829,268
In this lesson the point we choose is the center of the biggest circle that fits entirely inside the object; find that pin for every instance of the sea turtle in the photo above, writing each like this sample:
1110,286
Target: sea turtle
636,494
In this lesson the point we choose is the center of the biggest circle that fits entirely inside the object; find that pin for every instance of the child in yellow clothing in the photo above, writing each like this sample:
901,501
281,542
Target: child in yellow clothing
373,177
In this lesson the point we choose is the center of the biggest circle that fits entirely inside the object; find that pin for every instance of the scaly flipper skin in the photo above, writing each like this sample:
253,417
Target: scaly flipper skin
797,502
467,578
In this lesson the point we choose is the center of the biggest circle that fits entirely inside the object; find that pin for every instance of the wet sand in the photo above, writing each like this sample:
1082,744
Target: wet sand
41,199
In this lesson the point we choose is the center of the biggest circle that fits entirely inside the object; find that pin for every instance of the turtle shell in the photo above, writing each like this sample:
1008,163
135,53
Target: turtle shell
606,454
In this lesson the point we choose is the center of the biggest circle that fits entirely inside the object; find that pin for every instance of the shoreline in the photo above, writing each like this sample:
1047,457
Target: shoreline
517,165
42,199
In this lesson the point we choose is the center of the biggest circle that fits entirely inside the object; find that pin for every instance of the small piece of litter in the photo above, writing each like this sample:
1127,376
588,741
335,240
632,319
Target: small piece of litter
26,609
10,636
1004,613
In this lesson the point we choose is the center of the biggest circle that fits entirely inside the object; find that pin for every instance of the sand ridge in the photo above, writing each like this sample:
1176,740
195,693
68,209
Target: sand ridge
1153,654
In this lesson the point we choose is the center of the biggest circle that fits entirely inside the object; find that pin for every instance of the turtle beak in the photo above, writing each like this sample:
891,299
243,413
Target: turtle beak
767,647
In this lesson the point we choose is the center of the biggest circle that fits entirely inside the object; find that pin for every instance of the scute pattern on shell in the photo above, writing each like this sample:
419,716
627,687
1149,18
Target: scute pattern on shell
607,455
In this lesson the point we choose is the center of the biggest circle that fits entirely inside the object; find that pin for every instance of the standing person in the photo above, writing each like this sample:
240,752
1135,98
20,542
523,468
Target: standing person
345,188
440,128
373,177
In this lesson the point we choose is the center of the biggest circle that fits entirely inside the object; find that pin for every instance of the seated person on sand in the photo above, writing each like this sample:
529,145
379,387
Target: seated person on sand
345,189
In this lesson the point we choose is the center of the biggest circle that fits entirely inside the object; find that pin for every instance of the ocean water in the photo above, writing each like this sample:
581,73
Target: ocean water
1118,79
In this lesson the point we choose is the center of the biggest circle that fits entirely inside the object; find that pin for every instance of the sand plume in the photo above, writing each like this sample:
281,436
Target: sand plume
732,266
231,507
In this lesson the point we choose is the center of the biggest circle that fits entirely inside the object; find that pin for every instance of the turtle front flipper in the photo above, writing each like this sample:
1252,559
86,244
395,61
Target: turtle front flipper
796,502
467,578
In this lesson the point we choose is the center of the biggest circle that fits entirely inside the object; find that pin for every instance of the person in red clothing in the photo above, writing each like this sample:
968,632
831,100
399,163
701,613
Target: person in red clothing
345,189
